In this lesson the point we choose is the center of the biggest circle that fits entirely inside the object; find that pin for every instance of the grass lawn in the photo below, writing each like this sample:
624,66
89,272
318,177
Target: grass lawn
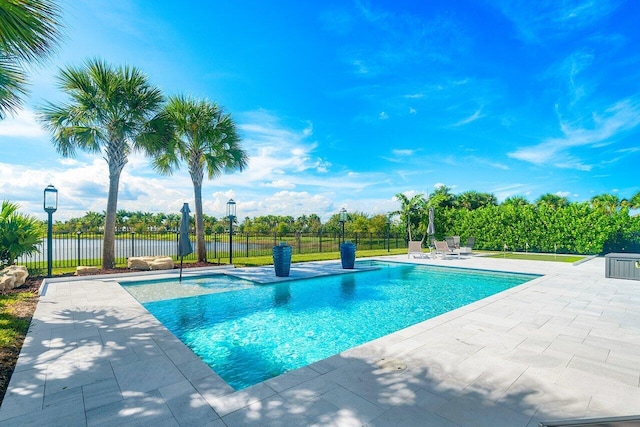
16,309
537,257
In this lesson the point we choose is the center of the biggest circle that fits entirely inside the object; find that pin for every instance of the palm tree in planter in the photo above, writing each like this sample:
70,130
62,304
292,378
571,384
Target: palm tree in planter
113,111
204,138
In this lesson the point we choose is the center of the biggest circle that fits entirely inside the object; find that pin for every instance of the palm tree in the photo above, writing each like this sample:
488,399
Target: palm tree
410,209
204,138
19,233
552,200
113,111
609,203
29,30
516,201
635,201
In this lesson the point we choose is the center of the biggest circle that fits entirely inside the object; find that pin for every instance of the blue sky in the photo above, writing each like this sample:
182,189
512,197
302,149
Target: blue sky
347,103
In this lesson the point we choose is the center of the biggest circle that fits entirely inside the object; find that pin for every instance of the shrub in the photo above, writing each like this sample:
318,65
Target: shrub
19,233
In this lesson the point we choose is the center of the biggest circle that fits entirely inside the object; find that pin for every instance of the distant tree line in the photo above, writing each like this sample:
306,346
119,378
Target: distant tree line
141,222
549,224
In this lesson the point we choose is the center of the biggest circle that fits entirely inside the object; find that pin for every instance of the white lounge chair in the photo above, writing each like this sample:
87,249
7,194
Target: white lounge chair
415,249
444,250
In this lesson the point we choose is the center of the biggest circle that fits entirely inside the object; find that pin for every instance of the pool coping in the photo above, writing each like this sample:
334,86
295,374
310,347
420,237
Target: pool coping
90,354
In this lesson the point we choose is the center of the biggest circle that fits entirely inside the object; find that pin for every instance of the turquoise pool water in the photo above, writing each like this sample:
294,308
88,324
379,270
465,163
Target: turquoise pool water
250,333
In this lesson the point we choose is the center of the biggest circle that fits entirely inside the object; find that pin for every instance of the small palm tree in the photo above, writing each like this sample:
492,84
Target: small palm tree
204,138
29,29
411,209
19,234
113,111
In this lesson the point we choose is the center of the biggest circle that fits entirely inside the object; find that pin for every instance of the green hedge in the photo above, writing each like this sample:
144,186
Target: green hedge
577,228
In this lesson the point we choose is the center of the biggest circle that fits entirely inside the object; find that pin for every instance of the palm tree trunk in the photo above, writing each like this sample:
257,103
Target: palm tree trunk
108,245
201,249
116,158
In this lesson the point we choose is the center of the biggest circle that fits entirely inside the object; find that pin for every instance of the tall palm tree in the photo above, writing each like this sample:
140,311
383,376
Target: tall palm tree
204,138
29,30
113,111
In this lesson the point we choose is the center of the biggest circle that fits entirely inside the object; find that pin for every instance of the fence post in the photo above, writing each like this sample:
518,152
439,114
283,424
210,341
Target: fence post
78,233
215,245
247,247
133,233
320,238
177,244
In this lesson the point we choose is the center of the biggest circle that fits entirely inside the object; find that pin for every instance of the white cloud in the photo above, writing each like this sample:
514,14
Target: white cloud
22,125
605,128
542,20
383,115
472,118
281,183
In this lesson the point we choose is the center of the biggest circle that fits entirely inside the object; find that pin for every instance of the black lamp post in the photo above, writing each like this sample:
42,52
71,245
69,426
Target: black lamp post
50,206
388,233
231,214
343,219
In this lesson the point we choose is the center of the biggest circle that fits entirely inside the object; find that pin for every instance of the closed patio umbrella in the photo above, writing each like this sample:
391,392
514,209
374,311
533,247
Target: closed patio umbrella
431,228
184,244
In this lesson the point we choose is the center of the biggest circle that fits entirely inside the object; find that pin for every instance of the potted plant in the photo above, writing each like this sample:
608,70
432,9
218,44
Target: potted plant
347,254
282,259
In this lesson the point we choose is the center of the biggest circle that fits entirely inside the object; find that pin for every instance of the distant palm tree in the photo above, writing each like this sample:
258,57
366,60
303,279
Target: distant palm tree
609,203
552,200
516,201
113,111
635,201
204,138
410,209
29,29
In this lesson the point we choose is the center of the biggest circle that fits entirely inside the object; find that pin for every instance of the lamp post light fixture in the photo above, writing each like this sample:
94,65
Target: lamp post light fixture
50,206
343,219
231,214
388,233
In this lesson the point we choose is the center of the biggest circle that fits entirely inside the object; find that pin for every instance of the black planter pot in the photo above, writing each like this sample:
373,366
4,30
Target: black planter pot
282,260
347,255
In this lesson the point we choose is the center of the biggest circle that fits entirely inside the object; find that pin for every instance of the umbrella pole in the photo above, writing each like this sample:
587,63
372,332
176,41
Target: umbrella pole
181,258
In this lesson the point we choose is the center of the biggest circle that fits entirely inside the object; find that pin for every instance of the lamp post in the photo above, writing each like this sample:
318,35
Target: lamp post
50,206
231,214
388,233
343,219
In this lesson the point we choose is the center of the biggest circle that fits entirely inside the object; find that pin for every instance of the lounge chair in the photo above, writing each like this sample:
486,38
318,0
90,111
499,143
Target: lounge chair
468,248
443,249
415,249
453,242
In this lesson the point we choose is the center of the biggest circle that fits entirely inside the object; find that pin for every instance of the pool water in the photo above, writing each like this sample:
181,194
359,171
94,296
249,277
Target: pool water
252,333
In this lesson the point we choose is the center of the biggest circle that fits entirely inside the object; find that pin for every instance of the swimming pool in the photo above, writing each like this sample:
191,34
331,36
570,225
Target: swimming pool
249,333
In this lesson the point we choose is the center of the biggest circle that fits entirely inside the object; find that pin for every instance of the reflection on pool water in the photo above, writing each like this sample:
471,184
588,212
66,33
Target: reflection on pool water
250,333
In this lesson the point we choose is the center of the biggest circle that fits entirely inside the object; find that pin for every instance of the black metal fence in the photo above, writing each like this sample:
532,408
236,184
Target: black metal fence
75,249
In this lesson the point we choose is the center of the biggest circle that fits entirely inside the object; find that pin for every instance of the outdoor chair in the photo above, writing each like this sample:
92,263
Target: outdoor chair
443,249
415,249
468,248
453,242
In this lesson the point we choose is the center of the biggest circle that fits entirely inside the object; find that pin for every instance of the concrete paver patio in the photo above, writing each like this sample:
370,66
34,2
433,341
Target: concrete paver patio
565,345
